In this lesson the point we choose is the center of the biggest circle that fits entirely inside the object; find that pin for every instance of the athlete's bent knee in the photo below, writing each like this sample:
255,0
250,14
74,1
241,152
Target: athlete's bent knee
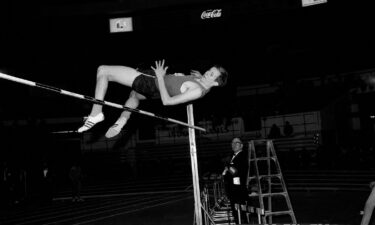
100,71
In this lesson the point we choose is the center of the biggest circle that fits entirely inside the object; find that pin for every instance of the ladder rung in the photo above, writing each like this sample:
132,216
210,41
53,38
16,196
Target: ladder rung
278,213
260,140
263,158
266,176
270,176
275,193
268,194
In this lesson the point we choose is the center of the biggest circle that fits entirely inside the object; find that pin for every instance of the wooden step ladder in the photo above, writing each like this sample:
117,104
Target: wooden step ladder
266,183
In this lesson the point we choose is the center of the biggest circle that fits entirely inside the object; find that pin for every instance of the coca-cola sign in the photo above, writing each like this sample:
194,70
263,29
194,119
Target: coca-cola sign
211,13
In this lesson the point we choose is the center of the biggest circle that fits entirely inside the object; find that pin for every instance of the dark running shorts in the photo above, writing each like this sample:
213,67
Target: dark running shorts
146,86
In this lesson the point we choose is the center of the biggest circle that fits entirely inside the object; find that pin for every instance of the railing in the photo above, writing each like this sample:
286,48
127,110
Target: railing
328,180
213,199
305,142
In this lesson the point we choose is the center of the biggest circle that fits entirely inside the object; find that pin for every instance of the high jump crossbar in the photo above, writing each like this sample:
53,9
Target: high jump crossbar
94,100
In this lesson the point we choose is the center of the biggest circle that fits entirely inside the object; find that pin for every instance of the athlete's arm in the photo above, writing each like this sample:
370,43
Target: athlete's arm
193,92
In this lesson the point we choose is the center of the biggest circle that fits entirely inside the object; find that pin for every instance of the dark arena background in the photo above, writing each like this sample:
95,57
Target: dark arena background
306,63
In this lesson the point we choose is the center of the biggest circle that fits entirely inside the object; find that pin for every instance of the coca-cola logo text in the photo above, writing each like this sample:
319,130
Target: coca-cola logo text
211,13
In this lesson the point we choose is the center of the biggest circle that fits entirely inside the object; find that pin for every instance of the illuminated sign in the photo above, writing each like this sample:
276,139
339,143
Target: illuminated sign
121,25
211,13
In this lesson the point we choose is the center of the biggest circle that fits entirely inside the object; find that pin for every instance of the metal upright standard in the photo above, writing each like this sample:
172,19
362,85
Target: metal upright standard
266,183
194,167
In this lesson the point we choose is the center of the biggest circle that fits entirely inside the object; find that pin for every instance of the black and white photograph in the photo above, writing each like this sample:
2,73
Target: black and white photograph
188,112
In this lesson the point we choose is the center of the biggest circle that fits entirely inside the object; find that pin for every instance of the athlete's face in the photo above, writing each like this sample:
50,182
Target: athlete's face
212,74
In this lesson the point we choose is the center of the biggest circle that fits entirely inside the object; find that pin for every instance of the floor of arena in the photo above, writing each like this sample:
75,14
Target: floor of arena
148,203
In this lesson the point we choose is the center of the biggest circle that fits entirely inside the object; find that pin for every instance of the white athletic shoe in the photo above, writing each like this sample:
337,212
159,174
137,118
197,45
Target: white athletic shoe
90,122
116,128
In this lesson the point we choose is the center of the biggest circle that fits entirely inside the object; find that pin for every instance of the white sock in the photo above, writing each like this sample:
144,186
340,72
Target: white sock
121,122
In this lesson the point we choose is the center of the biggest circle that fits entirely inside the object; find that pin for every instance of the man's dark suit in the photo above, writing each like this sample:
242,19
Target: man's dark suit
235,180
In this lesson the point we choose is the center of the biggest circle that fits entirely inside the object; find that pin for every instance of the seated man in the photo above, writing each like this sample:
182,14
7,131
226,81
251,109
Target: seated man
172,89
